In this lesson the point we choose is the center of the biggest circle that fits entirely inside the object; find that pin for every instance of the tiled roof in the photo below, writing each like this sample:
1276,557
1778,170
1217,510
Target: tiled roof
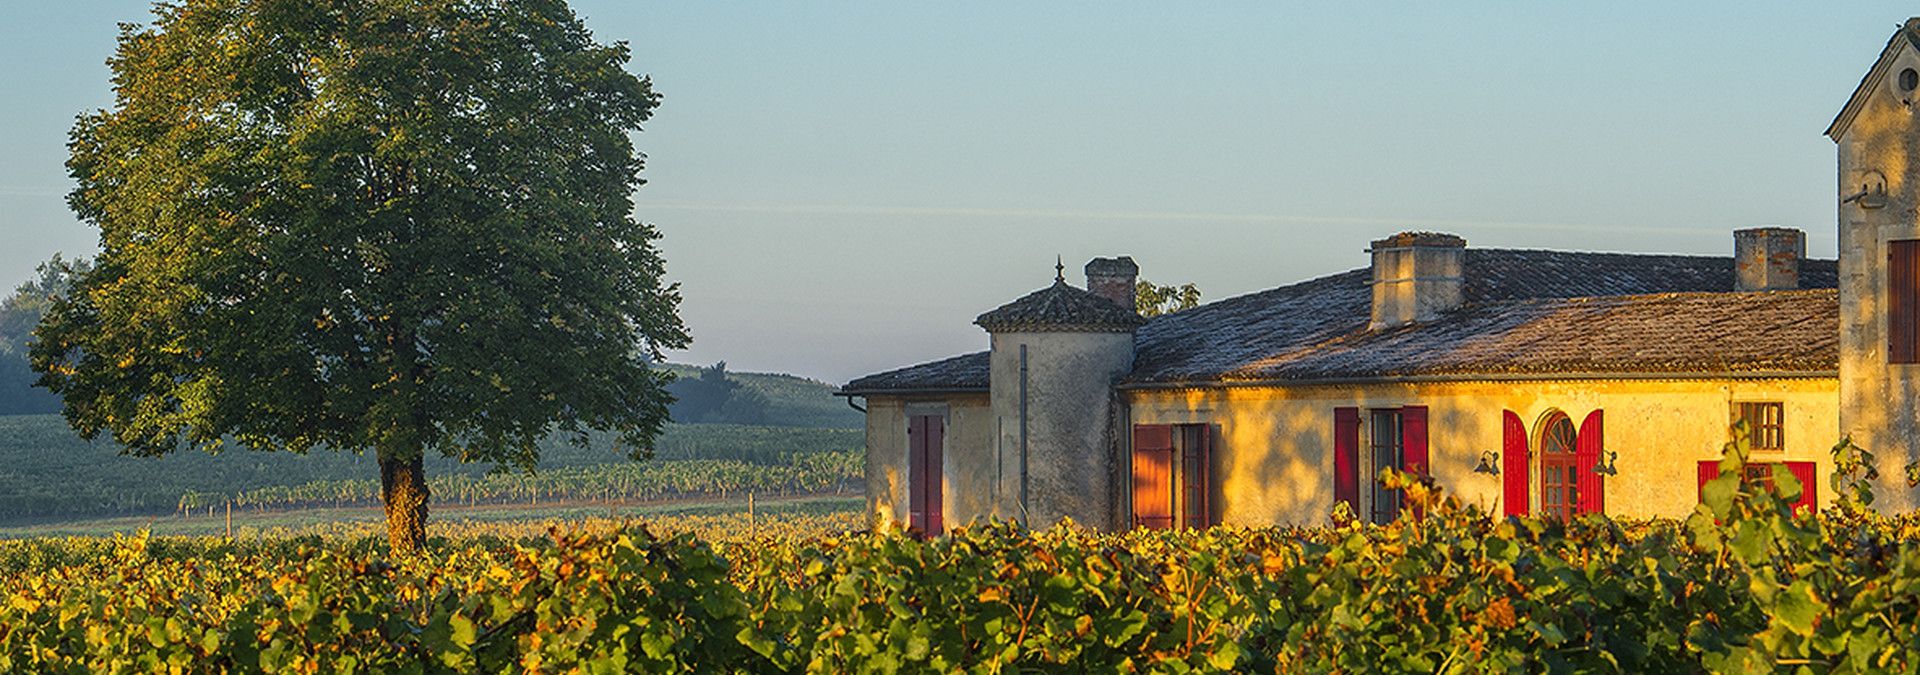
1776,331
967,372
1060,307
1516,301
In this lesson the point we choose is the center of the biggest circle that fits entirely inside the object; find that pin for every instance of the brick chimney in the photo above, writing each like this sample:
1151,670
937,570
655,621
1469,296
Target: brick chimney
1417,276
1767,258
1113,279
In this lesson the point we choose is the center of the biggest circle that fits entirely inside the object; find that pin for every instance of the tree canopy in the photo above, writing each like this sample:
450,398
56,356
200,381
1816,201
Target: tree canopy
1154,300
394,225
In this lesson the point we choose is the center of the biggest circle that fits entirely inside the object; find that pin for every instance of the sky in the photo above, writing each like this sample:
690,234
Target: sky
842,187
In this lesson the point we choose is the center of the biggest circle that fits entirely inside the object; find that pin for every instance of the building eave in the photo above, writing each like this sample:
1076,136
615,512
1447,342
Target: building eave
1478,377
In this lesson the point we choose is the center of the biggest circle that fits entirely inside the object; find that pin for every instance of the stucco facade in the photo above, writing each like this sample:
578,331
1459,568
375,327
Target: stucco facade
967,471
1056,427
1273,461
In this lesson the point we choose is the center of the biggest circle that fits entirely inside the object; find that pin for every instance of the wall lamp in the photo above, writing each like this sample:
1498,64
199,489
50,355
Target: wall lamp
1489,463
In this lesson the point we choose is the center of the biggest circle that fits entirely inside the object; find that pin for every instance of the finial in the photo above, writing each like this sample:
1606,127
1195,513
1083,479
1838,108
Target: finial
1059,269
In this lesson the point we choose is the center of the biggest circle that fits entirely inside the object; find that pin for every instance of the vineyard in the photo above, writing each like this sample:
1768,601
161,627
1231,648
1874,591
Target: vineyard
802,474
46,472
1745,585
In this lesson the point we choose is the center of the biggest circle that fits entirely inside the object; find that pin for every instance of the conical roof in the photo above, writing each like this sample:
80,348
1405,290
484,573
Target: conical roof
1061,308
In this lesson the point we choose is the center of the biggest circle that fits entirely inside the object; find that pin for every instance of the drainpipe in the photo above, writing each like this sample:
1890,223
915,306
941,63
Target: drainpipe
1024,517
855,406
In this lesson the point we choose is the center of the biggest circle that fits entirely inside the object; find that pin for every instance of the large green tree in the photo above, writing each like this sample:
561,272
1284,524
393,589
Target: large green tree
395,226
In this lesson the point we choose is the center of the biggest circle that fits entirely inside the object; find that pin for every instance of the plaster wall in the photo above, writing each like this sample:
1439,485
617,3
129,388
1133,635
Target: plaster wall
1071,451
1878,399
968,459
1273,453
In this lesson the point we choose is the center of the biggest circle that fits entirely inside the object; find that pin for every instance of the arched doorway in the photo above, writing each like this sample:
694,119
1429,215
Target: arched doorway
1559,467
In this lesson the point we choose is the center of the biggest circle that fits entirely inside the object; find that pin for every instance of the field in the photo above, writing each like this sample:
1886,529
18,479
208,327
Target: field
1746,585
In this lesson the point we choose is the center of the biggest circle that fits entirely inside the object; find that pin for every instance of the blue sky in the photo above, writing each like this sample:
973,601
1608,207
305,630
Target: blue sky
844,186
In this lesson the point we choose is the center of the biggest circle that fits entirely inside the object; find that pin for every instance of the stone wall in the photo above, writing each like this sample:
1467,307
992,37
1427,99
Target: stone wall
1878,176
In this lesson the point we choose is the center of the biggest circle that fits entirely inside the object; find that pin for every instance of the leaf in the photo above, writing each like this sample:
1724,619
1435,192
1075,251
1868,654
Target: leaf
463,633
1798,608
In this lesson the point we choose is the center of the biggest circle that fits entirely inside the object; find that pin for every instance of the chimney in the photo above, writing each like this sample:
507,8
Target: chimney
1767,258
1417,276
1113,279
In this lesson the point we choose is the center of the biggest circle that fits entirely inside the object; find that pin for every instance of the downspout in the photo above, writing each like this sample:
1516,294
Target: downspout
855,406
1024,516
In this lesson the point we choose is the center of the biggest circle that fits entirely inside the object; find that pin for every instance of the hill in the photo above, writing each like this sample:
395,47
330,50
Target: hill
756,398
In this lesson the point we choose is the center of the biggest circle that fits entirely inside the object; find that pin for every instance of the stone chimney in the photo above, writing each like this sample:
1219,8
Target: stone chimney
1417,276
1767,258
1113,279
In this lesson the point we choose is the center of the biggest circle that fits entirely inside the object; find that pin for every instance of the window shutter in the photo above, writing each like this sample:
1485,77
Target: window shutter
936,432
1590,485
1203,480
1153,476
1413,439
1346,457
1709,470
916,466
1809,490
1513,465
1903,301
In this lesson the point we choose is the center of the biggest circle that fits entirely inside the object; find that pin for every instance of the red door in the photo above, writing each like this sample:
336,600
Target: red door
925,436
1153,476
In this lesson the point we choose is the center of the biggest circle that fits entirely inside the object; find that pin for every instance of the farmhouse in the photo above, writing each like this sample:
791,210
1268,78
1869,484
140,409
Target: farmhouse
1528,381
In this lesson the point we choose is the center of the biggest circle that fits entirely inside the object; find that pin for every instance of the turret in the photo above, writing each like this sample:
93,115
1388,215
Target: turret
1056,354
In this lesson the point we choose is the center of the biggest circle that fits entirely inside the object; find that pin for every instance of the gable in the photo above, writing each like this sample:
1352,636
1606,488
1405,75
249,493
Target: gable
1901,51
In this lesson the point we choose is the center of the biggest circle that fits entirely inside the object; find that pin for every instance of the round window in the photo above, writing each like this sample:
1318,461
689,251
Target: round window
1909,79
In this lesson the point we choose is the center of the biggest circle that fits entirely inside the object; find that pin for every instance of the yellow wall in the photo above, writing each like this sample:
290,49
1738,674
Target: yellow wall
968,457
1274,462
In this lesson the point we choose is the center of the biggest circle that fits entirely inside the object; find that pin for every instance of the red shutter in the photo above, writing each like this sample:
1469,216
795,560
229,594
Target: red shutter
1709,470
1346,457
1809,492
1413,439
936,427
916,466
1153,476
1513,465
1903,300
1587,450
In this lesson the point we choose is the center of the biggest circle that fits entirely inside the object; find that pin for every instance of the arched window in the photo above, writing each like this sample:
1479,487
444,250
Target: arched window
1559,471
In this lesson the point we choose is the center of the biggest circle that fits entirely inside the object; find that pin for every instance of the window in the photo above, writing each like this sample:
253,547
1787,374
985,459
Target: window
1387,451
1559,470
1903,301
1364,443
1764,474
1172,475
1764,421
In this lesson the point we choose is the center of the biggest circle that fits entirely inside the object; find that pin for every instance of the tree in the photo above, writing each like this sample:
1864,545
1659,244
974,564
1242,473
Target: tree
1157,300
397,226
19,313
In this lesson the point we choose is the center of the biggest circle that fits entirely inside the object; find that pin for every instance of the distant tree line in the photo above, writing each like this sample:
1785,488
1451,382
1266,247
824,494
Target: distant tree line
710,397
19,313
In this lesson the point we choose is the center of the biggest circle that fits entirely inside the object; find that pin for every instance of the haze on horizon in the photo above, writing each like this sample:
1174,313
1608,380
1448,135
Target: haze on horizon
844,187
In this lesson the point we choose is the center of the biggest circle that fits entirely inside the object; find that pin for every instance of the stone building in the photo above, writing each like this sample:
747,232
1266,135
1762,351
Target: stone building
1529,381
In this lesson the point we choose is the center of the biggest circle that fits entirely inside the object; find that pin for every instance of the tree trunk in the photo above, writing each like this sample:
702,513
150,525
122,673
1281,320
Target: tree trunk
403,486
